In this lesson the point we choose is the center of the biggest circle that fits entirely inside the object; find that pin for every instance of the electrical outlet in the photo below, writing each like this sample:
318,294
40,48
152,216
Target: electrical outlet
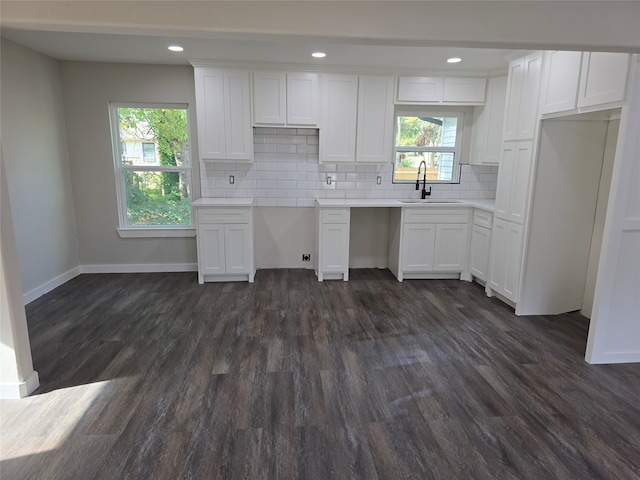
306,257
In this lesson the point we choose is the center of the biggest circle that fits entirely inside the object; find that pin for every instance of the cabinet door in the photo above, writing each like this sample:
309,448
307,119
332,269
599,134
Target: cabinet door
522,97
512,192
302,98
239,132
420,89
505,178
464,90
480,245
604,78
269,98
375,119
506,258
418,246
338,128
211,249
210,108
451,248
521,171
334,247
515,89
528,114
560,84
238,251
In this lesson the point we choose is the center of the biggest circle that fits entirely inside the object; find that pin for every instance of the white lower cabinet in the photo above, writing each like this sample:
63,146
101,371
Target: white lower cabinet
332,251
434,243
480,244
418,247
225,244
506,259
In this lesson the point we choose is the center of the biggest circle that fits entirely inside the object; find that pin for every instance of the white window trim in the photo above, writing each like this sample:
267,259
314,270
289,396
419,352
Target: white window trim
426,112
145,231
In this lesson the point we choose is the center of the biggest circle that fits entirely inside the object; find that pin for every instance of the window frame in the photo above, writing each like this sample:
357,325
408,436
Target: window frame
430,112
131,231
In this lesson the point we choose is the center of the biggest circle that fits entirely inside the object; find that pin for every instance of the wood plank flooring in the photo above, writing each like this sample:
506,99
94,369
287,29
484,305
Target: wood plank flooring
152,376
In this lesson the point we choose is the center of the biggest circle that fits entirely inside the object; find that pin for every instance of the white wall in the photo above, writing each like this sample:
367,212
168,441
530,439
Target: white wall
88,88
34,143
601,211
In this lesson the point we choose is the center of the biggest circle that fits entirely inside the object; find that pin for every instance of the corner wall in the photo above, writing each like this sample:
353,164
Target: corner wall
34,144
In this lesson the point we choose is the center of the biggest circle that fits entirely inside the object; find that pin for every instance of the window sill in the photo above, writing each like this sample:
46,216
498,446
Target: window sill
157,232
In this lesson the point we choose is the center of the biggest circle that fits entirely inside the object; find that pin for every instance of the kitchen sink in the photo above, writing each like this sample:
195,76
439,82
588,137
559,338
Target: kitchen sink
429,200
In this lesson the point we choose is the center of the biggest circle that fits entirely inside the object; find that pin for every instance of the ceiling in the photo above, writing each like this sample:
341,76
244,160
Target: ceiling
99,47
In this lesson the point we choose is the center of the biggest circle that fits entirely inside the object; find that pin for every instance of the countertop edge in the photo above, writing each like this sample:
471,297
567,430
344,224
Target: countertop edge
483,204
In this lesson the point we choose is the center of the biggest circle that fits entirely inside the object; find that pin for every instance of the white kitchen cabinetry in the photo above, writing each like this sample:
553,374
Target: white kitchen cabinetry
560,82
487,124
523,89
419,89
332,250
374,142
512,192
480,244
433,244
225,244
506,259
286,99
583,81
339,95
223,114
357,119
441,90
603,78
464,90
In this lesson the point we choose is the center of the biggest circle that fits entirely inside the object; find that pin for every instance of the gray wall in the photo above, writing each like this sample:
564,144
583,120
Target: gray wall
88,89
34,143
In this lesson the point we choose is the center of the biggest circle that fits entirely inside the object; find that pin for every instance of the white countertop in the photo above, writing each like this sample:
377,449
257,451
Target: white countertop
484,204
223,202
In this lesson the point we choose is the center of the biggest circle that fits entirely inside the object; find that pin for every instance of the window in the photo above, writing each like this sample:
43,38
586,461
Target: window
149,152
427,137
153,166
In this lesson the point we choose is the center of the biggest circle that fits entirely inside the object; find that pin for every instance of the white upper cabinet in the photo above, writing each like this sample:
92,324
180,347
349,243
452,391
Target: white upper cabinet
575,80
441,90
375,119
357,119
285,98
560,82
303,92
522,97
464,90
487,124
603,78
420,89
338,118
223,114
269,98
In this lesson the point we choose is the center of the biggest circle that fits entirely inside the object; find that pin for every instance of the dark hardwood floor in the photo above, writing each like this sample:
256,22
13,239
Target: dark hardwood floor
152,376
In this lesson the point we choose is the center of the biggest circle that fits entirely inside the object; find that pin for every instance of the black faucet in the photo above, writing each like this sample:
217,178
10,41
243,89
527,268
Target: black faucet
424,180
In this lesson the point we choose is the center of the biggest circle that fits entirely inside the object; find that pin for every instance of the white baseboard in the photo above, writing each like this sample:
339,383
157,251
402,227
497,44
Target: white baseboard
123,268
10,391
140,268
51,284
614,357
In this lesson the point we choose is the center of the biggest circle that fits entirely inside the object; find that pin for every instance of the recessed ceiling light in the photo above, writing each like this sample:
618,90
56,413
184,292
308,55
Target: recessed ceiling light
318,54
454,60
176,48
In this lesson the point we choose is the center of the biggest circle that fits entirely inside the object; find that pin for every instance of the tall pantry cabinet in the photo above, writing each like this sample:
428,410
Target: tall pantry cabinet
514,175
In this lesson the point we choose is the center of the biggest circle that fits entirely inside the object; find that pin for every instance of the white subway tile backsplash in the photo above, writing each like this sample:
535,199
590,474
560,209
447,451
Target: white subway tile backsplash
286,172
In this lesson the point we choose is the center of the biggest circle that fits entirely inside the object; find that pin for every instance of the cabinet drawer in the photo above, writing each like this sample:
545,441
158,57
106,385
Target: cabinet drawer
483,219
430,215
223,215
335,215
